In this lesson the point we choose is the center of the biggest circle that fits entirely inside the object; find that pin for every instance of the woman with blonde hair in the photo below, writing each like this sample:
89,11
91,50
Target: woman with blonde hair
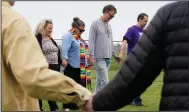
50,49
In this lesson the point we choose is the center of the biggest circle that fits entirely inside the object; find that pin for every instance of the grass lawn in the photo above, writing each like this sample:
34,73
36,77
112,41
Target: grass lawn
151,97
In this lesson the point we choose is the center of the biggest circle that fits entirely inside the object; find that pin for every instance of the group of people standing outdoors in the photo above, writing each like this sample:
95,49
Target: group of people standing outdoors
31,63
78,56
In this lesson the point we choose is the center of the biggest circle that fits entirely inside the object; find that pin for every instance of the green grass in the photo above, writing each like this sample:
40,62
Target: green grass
151,96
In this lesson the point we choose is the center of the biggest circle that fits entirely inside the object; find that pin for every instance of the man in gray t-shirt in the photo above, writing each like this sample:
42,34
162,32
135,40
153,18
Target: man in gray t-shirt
101,46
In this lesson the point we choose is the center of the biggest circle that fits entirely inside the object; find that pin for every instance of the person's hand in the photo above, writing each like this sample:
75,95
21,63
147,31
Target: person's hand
118,59
65,63
88,105
121,56
92,61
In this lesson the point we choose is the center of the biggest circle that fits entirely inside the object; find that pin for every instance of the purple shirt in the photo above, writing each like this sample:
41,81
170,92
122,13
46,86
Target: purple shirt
132,36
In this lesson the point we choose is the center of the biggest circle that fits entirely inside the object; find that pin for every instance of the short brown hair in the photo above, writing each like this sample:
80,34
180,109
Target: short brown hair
109,8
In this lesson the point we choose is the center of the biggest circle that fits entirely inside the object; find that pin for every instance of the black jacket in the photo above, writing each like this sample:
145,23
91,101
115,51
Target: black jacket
164,45
39,39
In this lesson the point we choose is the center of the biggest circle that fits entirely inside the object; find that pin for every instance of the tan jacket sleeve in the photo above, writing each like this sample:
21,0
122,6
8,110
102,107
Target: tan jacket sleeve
29,66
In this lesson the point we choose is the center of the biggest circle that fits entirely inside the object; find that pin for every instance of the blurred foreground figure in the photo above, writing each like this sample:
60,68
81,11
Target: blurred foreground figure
163,45
25,73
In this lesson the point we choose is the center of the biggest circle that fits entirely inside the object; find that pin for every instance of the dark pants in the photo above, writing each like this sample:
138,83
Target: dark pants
52,104
73,73
137,100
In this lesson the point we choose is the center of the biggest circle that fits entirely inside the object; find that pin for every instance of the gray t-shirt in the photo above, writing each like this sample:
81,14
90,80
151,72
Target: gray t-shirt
100,39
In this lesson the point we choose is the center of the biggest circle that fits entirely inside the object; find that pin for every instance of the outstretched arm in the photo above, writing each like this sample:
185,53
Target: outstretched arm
28,64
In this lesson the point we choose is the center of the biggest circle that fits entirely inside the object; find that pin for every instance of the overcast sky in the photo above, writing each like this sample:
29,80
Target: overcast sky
62,13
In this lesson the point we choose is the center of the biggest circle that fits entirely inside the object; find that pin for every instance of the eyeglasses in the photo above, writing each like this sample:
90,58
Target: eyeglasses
81,30
111,16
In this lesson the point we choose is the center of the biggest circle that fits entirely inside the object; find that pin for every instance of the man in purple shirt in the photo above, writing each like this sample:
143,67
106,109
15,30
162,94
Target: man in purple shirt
130,39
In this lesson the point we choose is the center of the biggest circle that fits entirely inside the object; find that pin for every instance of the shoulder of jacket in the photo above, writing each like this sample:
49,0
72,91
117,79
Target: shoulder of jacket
173,10
168,7
11,17
38,37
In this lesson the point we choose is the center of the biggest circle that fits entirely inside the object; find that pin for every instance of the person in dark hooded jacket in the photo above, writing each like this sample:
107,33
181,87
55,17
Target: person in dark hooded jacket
164,45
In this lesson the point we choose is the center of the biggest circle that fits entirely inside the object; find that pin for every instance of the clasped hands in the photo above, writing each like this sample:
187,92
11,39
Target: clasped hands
88,107
117,58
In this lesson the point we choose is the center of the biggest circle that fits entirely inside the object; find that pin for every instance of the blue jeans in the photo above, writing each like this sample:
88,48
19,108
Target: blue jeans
102,66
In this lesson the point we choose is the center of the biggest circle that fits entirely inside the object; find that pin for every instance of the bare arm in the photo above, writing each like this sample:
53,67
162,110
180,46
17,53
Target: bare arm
123,47
126,39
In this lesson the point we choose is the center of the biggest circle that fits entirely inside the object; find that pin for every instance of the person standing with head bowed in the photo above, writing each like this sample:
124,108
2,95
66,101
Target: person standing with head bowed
50,50
76,59
130,39
101,46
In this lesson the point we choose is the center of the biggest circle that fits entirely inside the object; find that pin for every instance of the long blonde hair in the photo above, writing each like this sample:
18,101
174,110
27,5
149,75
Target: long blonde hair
41,25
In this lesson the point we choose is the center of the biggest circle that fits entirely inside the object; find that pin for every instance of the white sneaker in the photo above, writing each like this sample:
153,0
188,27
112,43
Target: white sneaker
67,109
